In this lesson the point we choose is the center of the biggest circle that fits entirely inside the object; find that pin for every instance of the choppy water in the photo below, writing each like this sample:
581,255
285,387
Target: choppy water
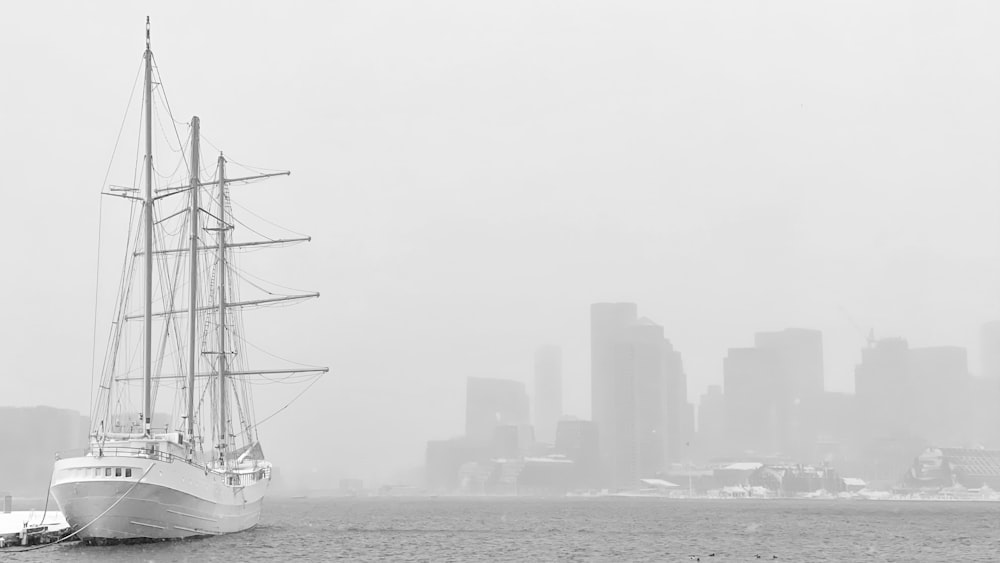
610,529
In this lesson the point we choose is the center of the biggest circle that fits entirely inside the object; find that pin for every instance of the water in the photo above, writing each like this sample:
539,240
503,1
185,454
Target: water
609,529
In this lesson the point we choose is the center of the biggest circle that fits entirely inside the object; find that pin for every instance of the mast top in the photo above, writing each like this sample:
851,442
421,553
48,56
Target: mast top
147,33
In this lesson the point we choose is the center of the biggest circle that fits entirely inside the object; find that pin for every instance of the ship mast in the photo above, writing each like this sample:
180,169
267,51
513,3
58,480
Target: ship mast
193,299
147,369
222,308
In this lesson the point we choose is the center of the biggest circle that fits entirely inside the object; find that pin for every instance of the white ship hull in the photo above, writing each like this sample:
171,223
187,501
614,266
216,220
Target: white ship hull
160,500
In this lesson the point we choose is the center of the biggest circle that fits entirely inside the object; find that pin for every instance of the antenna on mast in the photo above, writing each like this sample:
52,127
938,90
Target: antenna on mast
147,32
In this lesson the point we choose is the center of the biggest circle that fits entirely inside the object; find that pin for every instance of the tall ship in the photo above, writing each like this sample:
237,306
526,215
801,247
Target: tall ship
173,449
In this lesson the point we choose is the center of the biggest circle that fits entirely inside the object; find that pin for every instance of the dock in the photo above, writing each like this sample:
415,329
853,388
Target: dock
26,527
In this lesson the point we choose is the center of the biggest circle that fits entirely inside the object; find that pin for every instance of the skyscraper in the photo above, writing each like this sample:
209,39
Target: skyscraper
548,392
751,377
940,382
711,423
607,322
679,423
882,387
798,383
642,417
634,376
990,350
800,353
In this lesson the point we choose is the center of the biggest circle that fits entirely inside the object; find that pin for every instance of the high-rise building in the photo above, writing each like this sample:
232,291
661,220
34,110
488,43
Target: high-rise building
679,423
52,430
799,382
635,374
711,436
607,323
986,388
491,403
910,398
989,341
940,382
640,451
548,392
577,440
882,388
800,353
751,377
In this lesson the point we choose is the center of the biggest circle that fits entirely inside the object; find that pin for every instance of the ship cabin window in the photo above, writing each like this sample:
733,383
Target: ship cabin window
107,472
118,472
128,471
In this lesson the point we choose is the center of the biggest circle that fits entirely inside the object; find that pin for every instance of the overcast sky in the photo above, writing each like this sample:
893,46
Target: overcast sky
476,174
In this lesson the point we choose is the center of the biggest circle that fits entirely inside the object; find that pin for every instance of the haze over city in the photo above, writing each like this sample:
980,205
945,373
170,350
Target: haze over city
474,177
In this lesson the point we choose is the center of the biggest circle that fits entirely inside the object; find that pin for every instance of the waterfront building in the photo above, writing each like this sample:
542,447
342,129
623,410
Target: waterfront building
937,468
882,388
940,382
52,430
548,392
444,459
679,424
578,440
989,341
491,403
798,382
635,377
751,377
607,393
711,435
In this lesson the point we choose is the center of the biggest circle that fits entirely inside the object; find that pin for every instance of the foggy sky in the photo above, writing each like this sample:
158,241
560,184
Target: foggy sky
475,175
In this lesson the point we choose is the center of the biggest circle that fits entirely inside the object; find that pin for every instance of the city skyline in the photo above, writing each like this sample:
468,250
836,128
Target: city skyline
467,205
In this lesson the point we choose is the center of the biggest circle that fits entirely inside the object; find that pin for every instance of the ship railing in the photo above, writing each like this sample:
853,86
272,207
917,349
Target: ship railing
143,453
241,475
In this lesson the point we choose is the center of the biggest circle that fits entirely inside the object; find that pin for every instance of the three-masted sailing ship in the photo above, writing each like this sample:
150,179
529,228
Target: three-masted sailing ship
199,470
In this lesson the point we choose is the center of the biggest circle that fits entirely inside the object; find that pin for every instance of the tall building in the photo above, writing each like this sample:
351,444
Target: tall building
799,382
635,375
490,403
940,382
679,423
989,340
910,398
578,441
51,430
883,389
751,377
986,388
641,449
800,353
548,392
607,322
711,436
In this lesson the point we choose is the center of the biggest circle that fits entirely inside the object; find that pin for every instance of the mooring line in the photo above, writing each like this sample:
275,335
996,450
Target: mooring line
114,504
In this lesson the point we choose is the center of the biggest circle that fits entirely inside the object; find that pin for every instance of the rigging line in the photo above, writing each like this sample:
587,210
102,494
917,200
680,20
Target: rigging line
255,347
229,159
288,404
163,91
99,516
238,273
182,150
251,229
166,139
124,291
100,222
244,208
244,274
